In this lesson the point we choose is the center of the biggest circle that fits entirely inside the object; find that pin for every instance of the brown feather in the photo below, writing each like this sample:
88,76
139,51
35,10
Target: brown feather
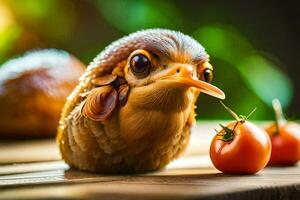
119,81
104,80
123,91
100,103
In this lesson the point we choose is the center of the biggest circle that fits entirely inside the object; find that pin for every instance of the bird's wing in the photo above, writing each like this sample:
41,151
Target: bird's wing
86,143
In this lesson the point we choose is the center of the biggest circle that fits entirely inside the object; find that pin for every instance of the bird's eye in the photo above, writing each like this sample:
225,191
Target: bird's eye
140,65
207,75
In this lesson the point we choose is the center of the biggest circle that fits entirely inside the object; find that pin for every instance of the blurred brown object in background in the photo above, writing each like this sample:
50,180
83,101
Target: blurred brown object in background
33,90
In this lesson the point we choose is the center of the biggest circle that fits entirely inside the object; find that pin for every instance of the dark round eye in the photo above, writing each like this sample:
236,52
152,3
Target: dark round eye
140,65
207,75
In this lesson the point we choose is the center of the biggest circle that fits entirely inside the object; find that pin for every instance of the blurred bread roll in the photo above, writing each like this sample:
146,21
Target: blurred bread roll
33,90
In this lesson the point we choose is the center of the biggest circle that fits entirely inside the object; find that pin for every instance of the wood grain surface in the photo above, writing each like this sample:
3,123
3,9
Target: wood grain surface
33,170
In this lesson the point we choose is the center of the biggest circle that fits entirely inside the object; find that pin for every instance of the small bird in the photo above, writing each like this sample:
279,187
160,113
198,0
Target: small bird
134,106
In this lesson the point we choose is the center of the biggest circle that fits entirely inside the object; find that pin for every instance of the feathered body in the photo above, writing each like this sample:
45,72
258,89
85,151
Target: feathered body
146,132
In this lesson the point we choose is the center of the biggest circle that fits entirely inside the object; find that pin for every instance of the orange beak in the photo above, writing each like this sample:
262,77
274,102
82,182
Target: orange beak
183,75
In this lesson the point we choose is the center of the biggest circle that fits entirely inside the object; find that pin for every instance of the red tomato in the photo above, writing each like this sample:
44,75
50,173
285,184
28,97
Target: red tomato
246,151
285,144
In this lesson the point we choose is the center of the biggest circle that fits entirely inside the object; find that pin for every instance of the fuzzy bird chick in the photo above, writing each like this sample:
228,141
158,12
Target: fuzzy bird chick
134,107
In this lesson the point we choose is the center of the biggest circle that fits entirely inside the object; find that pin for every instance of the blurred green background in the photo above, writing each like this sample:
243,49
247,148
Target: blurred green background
254,45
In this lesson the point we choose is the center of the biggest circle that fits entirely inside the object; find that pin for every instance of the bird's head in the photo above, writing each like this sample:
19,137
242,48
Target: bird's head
163,69
165,79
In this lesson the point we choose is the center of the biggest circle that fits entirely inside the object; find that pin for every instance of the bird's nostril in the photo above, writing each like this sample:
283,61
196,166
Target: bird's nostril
178,70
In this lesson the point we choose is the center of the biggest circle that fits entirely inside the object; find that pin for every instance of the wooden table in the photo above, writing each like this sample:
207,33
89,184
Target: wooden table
33,170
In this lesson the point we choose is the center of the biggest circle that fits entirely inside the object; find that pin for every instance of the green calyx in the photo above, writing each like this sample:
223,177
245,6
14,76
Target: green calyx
229,133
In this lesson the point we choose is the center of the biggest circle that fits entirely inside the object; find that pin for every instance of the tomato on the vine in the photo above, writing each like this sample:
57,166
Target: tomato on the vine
240,147
285,138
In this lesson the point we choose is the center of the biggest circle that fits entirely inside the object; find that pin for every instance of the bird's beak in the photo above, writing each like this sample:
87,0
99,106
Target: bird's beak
182,74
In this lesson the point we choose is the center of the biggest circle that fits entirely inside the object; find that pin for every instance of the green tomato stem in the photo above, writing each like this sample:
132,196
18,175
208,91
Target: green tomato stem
236,117
279,117
229,133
